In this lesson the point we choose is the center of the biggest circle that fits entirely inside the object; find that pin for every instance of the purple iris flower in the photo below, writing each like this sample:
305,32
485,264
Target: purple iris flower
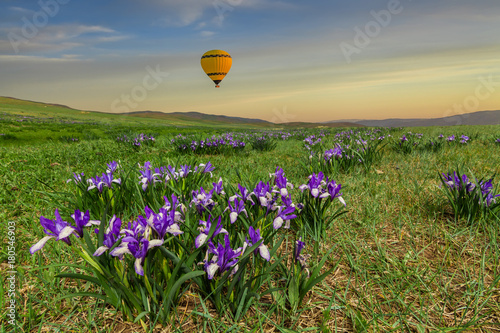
256,238
111,235
362,142
334,192
147,177
218,188
173,174
299,245
451,138
107,179
95,182
166,221
281,183
83,220
486,187
263,192
314,185
203,200
205,230
162,223
58,229
456,182
287,201
162,173
224,259
206,168
138,248
336,152
174,205
282,217
490,198
185,170
237,209
136,227
77,178
464,139
244,195
300,258
112,166
278,172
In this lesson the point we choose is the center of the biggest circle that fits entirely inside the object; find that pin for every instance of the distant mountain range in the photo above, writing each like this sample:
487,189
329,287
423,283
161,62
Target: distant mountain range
475,118
220,119
198,116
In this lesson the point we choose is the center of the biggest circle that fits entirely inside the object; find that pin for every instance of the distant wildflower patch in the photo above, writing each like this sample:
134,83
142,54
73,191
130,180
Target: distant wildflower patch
213,145
469,198
347,151
138,141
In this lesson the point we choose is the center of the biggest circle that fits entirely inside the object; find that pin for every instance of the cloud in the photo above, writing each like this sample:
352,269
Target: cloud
206,33
37,60
187,12
181,13
20,10
54,38
108,39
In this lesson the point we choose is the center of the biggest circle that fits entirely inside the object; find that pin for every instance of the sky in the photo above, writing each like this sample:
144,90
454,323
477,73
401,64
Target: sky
313,61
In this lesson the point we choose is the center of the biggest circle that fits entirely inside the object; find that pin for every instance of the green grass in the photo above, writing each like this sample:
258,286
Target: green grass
404,264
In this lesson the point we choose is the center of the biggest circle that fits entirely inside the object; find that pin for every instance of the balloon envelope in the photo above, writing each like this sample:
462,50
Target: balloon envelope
216,64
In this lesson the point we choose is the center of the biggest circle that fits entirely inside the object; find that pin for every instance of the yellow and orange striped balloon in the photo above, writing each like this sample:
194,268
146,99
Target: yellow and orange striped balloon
216,64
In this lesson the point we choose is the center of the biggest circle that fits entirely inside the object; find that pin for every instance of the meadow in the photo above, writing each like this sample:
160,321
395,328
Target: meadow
400,256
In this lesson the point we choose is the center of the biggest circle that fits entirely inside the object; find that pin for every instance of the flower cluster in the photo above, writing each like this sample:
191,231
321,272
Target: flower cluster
263,142
213,145
335,153
137,141
99,182
61,230
105,180
462,184
143,233
197,234
150,175
320,188
311,141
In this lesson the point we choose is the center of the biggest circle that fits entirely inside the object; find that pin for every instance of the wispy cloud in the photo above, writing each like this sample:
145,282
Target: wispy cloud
109,39
207,33
37,60
181,13
20,10
187,12
56,38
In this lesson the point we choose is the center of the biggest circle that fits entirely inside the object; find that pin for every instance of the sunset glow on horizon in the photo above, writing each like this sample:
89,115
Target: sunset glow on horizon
292,61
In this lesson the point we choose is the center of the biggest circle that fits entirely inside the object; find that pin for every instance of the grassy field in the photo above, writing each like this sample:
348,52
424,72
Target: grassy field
401,261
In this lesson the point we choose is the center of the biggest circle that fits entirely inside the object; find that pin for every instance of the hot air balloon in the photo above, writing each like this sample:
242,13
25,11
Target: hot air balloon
216,64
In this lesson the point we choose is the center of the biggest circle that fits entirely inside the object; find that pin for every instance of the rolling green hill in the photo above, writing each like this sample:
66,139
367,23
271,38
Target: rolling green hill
56,112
